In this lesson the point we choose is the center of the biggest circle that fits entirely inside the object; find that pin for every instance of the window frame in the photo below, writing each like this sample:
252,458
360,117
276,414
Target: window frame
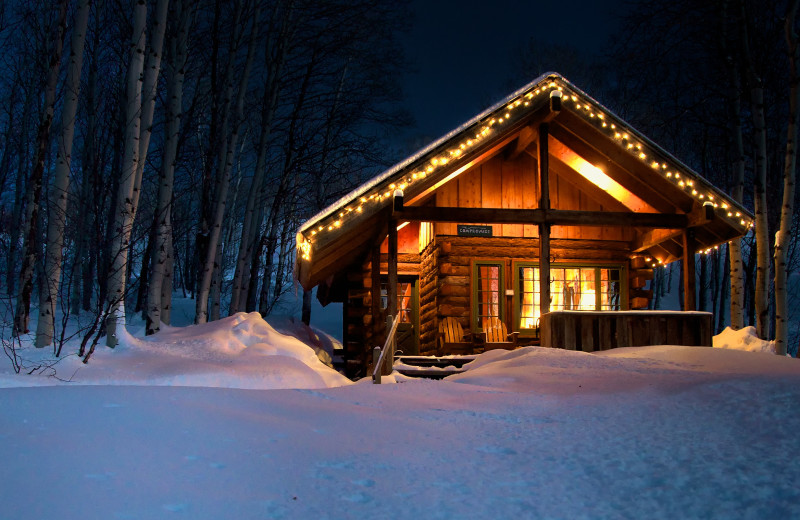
475,325
517,265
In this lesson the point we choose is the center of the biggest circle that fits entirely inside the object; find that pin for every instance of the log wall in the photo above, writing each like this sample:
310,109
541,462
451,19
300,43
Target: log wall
444,267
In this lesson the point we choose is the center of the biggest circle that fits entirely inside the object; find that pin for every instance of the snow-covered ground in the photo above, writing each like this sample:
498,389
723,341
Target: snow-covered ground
235,420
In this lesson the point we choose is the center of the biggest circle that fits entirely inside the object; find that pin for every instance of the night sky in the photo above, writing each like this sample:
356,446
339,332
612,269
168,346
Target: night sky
464,53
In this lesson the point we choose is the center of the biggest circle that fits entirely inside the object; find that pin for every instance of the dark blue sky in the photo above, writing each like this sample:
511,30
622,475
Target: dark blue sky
465,52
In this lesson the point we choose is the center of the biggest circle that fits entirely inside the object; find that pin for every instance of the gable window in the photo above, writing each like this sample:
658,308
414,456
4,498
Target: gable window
487,292
572,288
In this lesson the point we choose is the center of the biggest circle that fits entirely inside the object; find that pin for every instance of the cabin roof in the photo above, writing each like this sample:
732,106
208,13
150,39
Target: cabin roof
341,232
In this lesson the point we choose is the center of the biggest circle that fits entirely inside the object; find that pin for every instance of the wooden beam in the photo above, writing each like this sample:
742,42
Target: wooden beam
565,172
526,136
554,217
544,167
652,238
544,228
544,269
689,276
375,289
391,293
622,167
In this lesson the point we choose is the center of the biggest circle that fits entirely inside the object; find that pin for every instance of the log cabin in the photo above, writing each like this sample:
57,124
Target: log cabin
546,181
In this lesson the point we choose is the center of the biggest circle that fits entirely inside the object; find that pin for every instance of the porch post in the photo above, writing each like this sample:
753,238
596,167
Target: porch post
689,278
544,228
375,283
391,292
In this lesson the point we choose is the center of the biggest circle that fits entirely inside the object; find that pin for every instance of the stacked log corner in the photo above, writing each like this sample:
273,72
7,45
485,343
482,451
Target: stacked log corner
453,276
638,277
363,331
428,301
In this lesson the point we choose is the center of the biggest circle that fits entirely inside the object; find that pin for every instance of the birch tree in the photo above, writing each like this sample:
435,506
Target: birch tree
755,85
158,299
34,190
226,159
789,173
275,57
134,155
60,189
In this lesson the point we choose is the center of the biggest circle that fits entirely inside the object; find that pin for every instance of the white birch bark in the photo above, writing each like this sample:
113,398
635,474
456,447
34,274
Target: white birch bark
162,249
782,237
223,184
761,290
149,90
124,215
735,245
60,188
166,284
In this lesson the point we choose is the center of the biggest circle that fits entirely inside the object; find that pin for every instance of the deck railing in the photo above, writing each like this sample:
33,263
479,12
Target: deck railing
383,358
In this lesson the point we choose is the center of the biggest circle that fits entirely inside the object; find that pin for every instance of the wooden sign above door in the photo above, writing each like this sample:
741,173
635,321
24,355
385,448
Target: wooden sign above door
474,231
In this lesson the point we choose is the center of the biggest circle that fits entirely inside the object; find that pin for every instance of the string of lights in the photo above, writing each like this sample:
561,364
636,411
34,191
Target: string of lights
511,112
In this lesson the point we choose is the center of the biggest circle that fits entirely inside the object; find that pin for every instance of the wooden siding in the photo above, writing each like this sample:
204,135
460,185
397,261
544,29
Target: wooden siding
592,331
513,184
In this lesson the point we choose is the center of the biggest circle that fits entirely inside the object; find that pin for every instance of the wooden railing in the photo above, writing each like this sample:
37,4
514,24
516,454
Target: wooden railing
383,358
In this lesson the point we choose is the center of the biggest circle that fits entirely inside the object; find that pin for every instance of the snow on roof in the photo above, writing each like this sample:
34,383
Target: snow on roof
375,194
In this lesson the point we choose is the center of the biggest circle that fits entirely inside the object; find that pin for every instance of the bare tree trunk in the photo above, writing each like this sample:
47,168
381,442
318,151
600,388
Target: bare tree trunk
19,189
736,268
60,189
149,88
224,179
124,213
215,291
761,292
166,284
275,56
782,237
34,191
163,231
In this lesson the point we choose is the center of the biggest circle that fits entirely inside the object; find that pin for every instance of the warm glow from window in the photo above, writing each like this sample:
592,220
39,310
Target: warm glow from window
597,177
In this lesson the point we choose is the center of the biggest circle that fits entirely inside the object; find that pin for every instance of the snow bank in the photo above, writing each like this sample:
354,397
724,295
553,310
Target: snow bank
558,371
743,339
240,351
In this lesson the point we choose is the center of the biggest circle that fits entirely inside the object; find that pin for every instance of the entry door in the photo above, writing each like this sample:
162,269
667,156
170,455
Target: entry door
408,308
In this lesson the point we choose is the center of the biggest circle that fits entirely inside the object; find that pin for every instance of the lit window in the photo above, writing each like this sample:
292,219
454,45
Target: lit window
487,297
576,288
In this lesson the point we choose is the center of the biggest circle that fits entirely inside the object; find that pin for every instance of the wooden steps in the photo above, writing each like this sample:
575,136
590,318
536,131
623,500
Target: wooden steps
431,367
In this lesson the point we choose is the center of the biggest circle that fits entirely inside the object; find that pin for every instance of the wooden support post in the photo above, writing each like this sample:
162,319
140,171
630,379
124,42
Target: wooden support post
391,292
689,277
544,268
544,168
375,290
544,229
376,374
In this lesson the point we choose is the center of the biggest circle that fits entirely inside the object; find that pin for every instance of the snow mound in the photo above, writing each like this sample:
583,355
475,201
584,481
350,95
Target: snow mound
558,371
743,339
240,351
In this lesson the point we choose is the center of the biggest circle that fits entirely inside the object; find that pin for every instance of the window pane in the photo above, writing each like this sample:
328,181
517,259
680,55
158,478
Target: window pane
528,291
586,297
610,289
488,294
